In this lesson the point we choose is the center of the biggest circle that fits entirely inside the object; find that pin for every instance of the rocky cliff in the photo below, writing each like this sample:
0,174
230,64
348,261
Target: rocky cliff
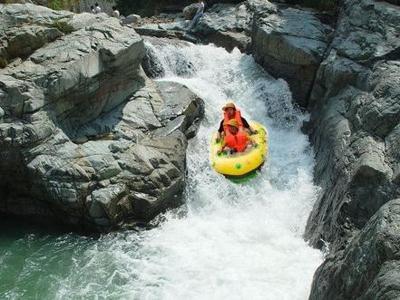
355,109
290,43
348,77
369,267
355,122
85,137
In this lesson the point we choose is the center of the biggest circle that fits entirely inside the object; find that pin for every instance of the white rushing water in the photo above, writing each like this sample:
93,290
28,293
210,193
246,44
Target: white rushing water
231,241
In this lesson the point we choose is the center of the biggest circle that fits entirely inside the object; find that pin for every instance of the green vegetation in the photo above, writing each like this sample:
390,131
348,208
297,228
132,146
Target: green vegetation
62,4
64,27
3,62
53,4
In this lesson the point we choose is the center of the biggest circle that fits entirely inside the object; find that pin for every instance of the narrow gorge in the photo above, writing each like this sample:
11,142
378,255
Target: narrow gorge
105,130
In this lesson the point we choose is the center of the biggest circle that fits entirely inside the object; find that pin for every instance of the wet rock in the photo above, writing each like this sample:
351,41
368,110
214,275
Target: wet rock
225,17
79,133
180,104
369,267
290,44
179,65
352,163
152,65
1,114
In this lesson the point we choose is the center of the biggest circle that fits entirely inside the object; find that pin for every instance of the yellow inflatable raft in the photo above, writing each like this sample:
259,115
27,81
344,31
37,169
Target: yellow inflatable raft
240,164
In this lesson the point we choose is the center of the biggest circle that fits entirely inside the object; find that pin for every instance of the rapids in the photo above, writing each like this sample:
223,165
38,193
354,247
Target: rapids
227,242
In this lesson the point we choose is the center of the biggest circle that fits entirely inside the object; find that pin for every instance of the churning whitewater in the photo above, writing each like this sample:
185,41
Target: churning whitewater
228,241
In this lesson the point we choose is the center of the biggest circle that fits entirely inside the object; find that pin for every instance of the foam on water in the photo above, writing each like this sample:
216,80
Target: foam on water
229,241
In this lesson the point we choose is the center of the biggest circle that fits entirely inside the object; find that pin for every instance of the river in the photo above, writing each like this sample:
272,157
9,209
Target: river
227,242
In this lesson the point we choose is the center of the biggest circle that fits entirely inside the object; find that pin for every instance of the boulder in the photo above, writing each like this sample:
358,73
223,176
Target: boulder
189,11
290,44
131,19
369,267
178,64
226,25
181,104
81,129
151,64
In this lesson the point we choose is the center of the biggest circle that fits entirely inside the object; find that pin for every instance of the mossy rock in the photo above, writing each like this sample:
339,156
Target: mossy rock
3,62
64,27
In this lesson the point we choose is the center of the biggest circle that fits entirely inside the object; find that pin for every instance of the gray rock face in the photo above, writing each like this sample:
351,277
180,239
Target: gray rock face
355,111
290,44
173,31
85,137
226,25
21,41
152,64
368,268
352,162
355,117
368,31
181,105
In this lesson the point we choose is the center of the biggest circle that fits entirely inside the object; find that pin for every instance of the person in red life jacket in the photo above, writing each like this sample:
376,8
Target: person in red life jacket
236,139
230,112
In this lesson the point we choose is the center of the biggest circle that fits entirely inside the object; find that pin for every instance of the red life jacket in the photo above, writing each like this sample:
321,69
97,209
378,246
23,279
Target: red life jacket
237,117
239,141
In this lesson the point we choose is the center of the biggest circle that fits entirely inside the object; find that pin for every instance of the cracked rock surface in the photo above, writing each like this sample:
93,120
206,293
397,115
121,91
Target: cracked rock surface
86,138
